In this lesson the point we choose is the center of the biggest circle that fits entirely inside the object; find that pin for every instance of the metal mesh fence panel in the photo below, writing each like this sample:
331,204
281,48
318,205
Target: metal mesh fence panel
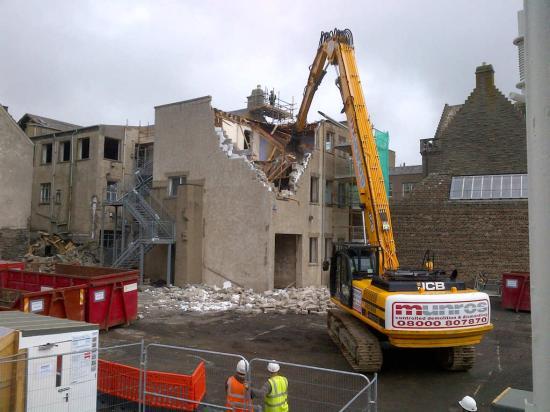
120,378
314,389
201,381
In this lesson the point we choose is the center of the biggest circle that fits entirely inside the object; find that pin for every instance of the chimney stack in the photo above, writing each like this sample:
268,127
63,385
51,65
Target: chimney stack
485,76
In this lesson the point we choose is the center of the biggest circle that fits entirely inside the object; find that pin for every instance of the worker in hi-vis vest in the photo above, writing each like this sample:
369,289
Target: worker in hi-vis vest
274,390
236,389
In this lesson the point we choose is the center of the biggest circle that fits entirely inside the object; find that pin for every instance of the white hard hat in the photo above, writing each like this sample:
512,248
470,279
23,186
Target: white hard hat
273,367
242,367
468,403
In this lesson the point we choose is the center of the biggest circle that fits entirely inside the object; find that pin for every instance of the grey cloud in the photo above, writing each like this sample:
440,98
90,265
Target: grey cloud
105,62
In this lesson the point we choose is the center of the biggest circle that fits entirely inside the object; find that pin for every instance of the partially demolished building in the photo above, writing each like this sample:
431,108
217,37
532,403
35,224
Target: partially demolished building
252,204
211,196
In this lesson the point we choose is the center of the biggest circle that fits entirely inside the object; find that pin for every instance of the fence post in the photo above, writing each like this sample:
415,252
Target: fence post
141,406
144,380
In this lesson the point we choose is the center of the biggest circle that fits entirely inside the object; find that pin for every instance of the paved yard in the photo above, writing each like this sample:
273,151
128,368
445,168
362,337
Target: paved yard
409,380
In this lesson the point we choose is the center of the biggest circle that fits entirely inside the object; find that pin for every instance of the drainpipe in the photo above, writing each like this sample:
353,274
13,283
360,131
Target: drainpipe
123,154
323,189
70,194
52,191
537,82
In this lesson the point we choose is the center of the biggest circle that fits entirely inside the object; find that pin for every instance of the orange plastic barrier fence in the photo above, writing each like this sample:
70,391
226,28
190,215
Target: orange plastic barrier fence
122,381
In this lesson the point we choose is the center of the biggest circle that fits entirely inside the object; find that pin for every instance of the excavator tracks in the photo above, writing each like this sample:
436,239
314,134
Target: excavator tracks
360,347
457,358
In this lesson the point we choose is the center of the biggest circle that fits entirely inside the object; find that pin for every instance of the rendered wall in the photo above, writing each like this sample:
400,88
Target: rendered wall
16,151
237,243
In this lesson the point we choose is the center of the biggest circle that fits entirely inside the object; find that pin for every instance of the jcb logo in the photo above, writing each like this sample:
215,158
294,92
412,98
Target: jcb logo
431,285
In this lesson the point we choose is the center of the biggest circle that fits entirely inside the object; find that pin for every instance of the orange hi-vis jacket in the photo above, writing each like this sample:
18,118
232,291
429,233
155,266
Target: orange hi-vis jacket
237,397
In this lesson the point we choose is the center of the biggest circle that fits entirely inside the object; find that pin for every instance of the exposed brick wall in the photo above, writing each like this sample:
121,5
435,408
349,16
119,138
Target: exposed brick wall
490,236
13,243
486,136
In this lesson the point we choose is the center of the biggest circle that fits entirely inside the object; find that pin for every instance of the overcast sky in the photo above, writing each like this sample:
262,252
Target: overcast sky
90,62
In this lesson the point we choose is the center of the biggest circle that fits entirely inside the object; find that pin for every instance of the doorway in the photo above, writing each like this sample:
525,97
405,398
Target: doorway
286,260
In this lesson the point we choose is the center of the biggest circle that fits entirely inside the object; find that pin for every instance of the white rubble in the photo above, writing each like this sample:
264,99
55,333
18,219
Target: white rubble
202,298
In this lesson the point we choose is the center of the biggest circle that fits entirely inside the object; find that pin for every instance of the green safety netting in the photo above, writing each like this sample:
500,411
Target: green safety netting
382,144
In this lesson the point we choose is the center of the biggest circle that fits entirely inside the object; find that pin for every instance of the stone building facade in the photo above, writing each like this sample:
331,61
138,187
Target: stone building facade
470,208
76,171
16,153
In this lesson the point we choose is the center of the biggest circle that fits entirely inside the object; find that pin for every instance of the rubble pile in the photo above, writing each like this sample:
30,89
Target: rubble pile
202,298
60,251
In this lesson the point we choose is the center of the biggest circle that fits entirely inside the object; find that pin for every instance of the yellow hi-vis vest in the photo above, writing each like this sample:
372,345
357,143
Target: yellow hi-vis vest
276,400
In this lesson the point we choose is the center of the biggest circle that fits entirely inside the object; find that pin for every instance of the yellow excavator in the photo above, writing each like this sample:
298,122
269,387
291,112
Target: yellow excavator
377,301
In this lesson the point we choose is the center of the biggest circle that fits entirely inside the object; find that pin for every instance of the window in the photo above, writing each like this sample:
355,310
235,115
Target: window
108,238
174,183
111,149
65,151
111,192
489,187
355,201
328,248
58,197
342,140
47,153
313,249
391,190
84,148
247,139
45,190
328,192
407,188
342,194
314,189
329,142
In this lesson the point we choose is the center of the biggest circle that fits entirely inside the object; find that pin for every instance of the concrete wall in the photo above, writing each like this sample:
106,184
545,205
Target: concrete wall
16,151
236,206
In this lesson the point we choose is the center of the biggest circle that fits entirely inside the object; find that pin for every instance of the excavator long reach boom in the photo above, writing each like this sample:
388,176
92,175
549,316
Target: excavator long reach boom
375,299
336,48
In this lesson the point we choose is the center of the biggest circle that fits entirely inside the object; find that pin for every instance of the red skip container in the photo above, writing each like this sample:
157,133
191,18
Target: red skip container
516,292
109,295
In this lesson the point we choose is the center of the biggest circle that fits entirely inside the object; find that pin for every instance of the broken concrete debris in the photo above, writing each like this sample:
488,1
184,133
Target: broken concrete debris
202,298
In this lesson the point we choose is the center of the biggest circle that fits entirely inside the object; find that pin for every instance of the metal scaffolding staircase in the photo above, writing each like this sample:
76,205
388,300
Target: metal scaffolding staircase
151,224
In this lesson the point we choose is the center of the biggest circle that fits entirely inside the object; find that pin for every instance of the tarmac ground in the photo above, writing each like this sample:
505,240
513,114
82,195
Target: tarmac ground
410,380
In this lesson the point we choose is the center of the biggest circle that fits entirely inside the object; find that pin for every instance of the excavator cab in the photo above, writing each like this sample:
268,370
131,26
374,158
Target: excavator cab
349,262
